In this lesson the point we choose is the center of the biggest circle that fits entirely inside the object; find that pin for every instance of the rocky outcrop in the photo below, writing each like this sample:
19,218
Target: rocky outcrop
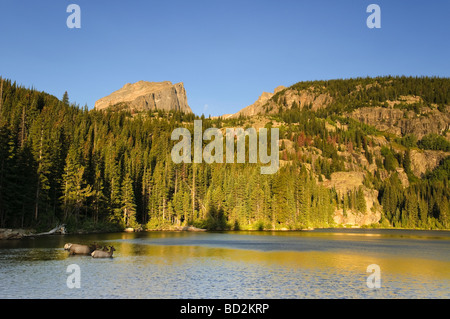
147,96
288,98
403,122
342,182
407,115
424,161
355,218
6,233
402,176
258,106
189,228
345,181
309,97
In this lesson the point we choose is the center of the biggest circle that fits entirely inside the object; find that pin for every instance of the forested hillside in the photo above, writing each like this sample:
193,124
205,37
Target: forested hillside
109,170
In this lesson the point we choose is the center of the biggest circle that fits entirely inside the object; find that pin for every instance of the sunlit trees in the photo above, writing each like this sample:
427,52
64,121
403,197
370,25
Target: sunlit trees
63,163
128,203
75,189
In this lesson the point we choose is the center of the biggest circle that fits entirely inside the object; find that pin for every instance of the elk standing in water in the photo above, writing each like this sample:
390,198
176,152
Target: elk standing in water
102,253
76,249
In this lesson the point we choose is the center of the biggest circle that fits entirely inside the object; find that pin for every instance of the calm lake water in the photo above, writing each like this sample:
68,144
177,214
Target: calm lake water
329,263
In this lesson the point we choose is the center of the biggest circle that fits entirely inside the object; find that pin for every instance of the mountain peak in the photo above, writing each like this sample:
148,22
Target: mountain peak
256,107
144,96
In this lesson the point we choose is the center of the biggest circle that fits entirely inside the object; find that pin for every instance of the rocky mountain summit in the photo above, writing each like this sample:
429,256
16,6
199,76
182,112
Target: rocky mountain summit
388,104
258,106
146,96
269,103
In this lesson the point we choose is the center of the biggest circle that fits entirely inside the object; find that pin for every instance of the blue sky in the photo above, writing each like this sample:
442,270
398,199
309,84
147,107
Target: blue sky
226,52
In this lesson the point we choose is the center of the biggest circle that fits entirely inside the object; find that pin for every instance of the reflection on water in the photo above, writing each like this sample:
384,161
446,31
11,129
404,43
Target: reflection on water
312,264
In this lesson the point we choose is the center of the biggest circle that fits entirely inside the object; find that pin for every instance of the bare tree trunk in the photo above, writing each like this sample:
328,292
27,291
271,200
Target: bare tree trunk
60,228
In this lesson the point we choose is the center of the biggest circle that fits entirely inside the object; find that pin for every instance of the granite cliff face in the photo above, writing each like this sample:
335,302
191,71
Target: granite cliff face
342,182
423,161
146,96
402,122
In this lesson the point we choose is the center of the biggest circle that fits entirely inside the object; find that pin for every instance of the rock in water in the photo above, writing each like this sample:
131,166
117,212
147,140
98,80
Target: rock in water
147,96
13,233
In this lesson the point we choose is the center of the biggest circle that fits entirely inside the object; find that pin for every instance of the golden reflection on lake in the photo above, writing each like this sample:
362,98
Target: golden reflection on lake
313,264
169,254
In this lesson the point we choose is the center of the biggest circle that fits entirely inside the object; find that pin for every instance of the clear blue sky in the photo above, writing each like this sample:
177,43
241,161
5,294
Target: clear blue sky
226,52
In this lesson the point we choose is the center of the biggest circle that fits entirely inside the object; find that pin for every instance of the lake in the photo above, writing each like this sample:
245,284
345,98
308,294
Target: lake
327,263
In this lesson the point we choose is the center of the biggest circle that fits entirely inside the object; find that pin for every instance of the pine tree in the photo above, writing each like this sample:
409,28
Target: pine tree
41,154
75,190
146,193
423,213
444,216
407,161
1,99
305,202
98,196
128,202
361,201
65,99
411,210
5,155
114,202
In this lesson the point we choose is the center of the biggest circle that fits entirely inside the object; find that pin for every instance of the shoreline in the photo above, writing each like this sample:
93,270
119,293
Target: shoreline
19,233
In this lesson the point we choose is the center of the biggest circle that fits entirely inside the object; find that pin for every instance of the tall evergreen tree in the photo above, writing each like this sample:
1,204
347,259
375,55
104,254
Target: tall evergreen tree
128,202
75,189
